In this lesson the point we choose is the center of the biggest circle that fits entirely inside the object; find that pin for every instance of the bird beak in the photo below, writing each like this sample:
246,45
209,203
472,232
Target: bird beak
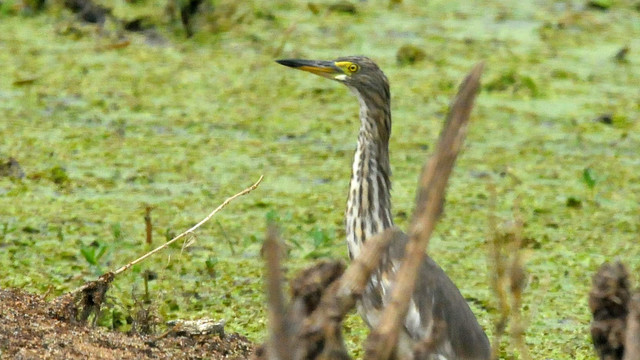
327,69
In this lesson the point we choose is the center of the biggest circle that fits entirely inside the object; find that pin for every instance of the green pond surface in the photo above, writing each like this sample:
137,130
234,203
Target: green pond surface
104,123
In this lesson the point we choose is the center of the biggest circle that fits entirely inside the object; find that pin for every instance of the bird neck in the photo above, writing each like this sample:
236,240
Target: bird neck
369,202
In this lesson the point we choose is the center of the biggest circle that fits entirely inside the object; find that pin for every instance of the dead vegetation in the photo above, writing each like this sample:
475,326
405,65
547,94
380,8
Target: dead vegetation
32,328
79,304
28,331
508,279
615,329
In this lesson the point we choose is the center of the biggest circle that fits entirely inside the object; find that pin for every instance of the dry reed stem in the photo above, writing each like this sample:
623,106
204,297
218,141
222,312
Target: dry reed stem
148,225
352,284
496,254
429,204
517,283
508,278
279,346
632,336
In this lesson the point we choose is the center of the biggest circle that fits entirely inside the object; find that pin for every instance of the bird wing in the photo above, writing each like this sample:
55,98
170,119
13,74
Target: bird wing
435,300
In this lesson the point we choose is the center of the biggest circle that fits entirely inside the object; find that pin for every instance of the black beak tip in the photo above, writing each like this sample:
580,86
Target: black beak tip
288,62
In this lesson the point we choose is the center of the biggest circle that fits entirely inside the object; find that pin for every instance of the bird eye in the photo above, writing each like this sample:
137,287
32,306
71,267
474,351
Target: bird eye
353,68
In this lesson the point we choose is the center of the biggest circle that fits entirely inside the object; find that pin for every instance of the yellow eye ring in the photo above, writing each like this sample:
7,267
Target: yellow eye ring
353,68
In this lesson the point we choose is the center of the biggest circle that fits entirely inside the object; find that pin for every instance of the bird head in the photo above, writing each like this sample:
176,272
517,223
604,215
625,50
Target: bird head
357,72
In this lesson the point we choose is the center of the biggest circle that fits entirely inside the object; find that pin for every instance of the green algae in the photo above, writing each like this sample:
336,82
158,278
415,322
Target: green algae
103,132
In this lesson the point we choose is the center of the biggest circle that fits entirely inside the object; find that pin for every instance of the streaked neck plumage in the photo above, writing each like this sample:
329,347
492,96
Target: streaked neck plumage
369,202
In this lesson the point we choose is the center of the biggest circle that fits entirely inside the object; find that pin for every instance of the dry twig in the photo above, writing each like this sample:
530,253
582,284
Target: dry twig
498,278
429,205
190,230
517,282
632,337
322,296
148,225
91,294
279,339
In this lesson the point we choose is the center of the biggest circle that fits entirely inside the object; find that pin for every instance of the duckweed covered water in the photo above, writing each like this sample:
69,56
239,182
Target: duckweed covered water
101,131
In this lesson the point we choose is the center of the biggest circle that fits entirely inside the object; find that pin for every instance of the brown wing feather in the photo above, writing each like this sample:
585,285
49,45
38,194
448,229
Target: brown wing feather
435,298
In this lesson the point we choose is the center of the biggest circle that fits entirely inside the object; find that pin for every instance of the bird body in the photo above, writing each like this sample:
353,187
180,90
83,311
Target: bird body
437,310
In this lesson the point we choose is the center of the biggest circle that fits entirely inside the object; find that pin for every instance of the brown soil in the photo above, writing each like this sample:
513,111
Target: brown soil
27,331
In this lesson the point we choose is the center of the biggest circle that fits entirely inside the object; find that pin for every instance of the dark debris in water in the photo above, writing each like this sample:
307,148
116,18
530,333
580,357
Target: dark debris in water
600,4
621,55
514,82
138,24
344,7
11,169
187,11
409,54
88,11
605,119
574,202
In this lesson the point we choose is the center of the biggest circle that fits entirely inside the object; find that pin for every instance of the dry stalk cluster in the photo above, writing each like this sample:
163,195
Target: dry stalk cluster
615,328
508,278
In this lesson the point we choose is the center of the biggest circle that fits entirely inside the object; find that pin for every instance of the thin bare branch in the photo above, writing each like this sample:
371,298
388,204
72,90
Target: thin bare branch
632,337
279,340
355,278
190,231
429,205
